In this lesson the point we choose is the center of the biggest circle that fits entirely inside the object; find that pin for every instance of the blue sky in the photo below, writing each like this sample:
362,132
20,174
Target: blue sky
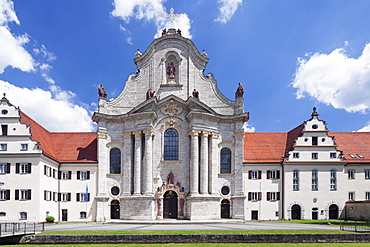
290,55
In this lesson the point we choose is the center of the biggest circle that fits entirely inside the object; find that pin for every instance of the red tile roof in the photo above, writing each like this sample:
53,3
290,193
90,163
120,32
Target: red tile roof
64,147
267,147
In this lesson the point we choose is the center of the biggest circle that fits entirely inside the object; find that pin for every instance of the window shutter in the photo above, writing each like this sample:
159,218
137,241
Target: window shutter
278,174
69,174
278,196
28,194
54,195
59,174
68,197
59,197
250,174
88,175
8,168
77,197
268,196
54,171
249,196
44,195
7,195
259,174
268,174
259,196
29,167
17,168
44,169
88,197
16,195
78,175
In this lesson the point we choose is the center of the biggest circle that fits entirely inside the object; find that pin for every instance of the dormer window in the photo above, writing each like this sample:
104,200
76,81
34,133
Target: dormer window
352,156
361,156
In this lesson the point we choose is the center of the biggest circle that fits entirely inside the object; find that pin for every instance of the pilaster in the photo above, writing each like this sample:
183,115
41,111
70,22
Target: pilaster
148,162
194,162
137,163
127,162
203,175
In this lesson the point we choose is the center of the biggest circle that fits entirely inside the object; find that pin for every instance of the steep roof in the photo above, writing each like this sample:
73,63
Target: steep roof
64,147
267,147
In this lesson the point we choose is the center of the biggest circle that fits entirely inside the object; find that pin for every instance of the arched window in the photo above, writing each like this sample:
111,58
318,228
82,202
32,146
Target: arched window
115,161
171,145
225,166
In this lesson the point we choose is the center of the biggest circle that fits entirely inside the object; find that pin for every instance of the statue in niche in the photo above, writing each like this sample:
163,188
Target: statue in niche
170,178
239,91
150,94
101,91
195,94
171,71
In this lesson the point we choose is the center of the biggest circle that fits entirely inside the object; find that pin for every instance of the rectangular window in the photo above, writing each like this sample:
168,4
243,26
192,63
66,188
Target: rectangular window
273,174
314,180
82,215
255,174
314,141
23,215
367,196
4,129
83,175
24,147
4,168
333,155
315,156
4,195
3,147
64,197
82,197
351,174
23,195
23,168
47,195
351,196
295,180
367,174
65,175
254,196
333,180
296,155
273,196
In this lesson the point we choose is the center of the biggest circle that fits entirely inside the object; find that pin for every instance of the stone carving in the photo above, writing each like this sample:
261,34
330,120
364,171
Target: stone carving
150,94
239,91
171,109
102,93
195,94
159,207
171,70
170,178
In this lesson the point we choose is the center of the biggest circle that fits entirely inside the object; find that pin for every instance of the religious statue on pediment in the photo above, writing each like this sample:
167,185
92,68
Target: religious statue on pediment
101,91
195,94
239,91
150,94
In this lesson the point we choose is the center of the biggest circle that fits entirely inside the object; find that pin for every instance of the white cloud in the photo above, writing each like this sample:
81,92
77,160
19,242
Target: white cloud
49,56
336,79
150,11
227,9
53,109
248,128
366,128
12,51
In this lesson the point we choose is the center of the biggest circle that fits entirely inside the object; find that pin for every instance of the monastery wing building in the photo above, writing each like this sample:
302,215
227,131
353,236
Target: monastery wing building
172,146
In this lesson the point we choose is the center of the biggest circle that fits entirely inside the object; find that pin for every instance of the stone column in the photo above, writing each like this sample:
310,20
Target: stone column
194,162
127,163
137,163
238,163
148,162
203,174
213,162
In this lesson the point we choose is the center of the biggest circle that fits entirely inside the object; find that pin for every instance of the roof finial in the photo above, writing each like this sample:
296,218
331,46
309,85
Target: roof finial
172,16
314,113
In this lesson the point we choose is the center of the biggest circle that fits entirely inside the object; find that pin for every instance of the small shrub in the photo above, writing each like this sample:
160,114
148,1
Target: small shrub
50,219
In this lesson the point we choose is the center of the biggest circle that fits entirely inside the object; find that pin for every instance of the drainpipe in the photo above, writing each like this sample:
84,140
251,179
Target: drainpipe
282,198
58,193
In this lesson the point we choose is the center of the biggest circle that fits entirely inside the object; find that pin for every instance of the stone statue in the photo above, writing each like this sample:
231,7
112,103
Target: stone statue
195,94
239,91
150,94
171,70
102,93
170,178
164,32
179,32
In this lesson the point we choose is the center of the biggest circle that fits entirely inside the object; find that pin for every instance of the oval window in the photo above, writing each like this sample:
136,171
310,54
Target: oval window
315,126
115,191
4,112
225,190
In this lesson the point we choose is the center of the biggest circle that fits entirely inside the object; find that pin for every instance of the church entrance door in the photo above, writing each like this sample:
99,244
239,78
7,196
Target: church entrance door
225,209
296,212
333,212
114,209
170,205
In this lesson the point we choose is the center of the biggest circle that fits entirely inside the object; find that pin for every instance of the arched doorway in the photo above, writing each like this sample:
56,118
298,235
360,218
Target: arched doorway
170,205
296,212
333,212
225,209
114,209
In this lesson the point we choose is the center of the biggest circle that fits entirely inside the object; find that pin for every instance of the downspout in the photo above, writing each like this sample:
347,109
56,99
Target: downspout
282,190
58,193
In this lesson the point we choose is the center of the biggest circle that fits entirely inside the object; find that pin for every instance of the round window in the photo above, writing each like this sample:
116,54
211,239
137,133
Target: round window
315,126
306,139
225,190
115,191
4,112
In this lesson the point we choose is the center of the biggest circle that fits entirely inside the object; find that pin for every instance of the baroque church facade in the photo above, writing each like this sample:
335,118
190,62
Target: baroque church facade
172,146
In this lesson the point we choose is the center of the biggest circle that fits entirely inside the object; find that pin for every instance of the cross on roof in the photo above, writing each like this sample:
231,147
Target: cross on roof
172,16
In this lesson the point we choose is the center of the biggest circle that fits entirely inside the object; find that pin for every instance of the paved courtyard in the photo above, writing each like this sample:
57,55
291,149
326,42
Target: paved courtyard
175,225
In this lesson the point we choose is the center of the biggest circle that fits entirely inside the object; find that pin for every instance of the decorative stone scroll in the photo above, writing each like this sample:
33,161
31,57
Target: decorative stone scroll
171,109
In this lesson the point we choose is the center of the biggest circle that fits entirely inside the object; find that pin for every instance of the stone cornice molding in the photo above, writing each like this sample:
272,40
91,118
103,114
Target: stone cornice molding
215,135
137,133
102,135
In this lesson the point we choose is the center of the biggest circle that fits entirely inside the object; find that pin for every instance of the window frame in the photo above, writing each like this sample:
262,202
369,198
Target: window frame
351,173
24,147
23,215
171,155
115,161
225,168
351,196
333,180
3,147
367,174
295,176
314,180
83,215
315,156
